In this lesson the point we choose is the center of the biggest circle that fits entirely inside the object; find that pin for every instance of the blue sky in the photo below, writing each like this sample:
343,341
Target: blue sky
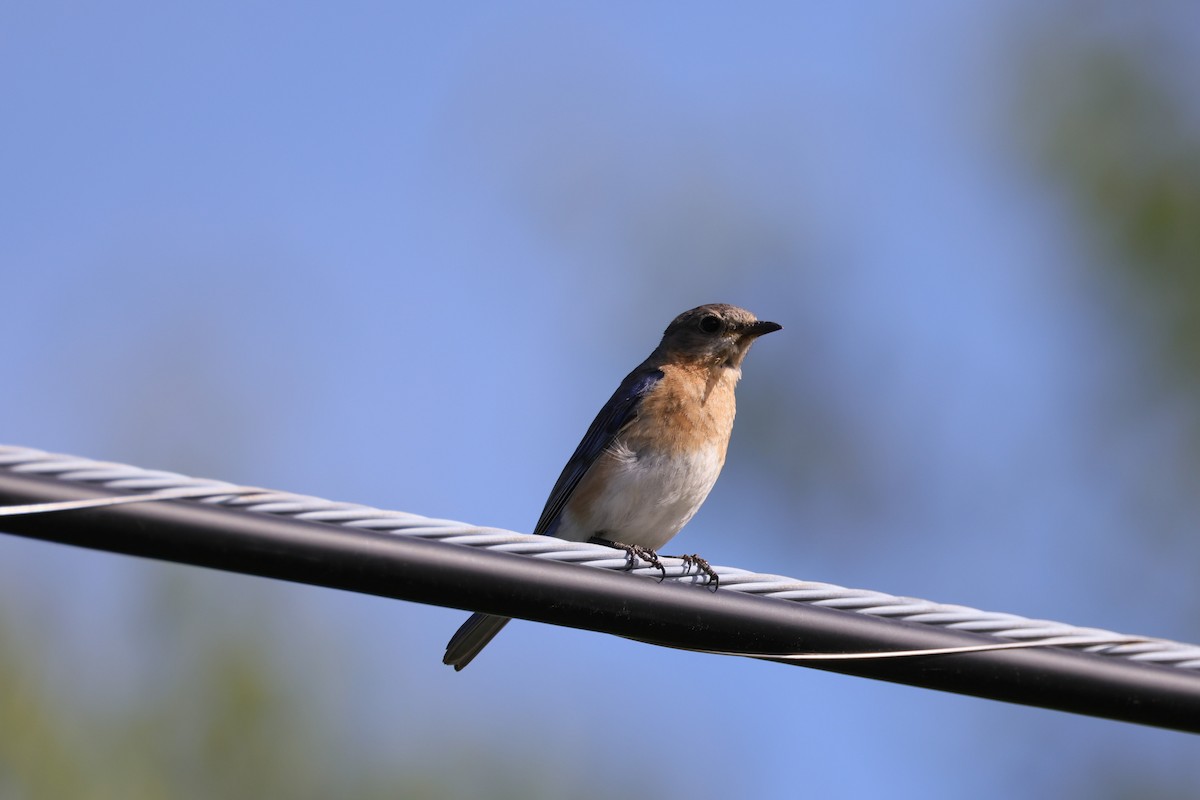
400,254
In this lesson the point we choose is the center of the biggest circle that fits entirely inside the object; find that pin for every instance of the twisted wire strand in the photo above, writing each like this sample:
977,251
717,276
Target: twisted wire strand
1011,627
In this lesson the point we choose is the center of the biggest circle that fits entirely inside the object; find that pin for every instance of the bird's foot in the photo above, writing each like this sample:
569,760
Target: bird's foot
701,565
635,553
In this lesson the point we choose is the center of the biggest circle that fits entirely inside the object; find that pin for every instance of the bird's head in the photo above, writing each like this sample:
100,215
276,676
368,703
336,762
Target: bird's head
716,335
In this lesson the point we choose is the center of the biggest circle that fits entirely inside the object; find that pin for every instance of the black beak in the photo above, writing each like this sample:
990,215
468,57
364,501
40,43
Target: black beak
761,328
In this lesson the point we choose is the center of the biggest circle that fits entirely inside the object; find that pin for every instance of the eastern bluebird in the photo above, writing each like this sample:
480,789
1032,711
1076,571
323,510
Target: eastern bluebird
651,455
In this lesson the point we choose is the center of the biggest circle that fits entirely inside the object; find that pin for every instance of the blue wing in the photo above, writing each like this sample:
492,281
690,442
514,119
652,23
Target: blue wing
619,411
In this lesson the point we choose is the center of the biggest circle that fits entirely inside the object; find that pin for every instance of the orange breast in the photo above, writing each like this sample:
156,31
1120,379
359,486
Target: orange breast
692,409
660,468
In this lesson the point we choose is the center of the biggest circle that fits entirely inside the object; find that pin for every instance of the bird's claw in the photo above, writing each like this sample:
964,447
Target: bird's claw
701,564
635,552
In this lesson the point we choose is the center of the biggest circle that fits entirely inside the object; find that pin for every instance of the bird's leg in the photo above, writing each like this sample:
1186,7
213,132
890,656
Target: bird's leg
634,552
701,565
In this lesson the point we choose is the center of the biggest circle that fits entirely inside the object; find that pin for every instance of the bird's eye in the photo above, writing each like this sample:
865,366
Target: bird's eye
710,323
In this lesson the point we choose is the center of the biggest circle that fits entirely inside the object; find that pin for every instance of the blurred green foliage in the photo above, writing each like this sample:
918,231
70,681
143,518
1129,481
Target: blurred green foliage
1111,111
226,720
1112,124
218,701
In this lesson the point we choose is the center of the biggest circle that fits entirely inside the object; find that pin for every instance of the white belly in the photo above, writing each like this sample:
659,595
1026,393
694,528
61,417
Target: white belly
646,499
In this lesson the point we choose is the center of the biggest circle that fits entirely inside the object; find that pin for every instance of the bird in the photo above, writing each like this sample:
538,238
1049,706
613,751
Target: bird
652,454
